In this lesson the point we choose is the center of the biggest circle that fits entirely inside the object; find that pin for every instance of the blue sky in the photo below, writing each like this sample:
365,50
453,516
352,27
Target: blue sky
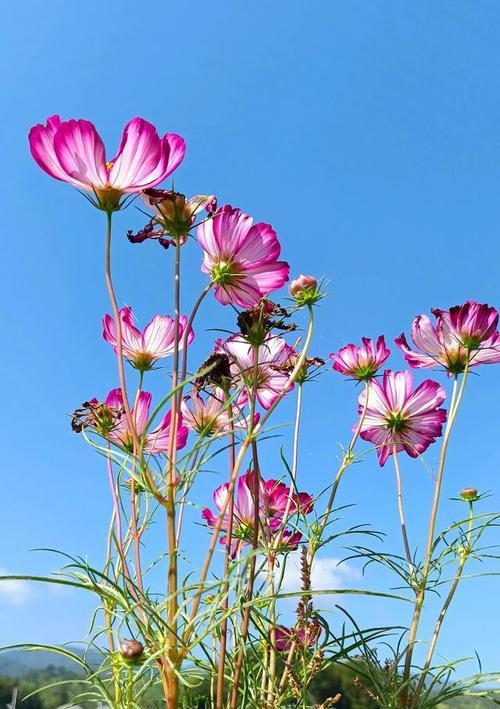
367,133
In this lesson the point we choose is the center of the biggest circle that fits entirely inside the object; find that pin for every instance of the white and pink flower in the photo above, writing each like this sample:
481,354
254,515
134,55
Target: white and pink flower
304,637
273,499
73,151
361,361
465,333
402,417
155,441
143,349
241,257
209,416
266,368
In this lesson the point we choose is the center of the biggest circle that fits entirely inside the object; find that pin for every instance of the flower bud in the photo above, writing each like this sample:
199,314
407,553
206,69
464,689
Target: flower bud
305,290
131,650
469,494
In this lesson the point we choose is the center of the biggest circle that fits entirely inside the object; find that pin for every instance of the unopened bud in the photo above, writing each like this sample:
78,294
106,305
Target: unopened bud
469,494
131,650
305,290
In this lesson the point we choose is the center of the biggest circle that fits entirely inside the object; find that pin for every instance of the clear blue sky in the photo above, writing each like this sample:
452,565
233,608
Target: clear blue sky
367,133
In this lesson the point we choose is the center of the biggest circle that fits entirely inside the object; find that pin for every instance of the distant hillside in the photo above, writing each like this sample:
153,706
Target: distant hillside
16,663
35,668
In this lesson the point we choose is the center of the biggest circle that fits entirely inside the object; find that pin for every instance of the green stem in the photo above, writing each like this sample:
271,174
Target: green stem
464,555
255,536
402,517
118,327
227,561
346,462
293,473
241,454
172,611
130,688
456,399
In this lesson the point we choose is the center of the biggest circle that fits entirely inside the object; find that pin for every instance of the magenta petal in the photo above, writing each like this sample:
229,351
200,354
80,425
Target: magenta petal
41,141
138,158
398,415
176,152
241,257
144,159
140,412
80,152
114,399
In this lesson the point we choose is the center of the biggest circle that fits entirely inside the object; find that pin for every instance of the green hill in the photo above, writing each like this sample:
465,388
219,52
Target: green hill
30,670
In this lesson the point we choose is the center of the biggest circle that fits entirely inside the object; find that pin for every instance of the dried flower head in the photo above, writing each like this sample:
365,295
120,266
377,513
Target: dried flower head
216,371
97,415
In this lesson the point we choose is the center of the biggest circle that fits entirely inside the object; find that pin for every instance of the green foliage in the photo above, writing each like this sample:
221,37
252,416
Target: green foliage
7,685
337,679
334,679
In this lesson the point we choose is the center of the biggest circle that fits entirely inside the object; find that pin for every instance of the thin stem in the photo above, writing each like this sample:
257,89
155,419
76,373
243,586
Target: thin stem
272,639
271,655
464,555
116,513
107,613
346,462
402,515
130,688
456,399
185,337
172,611
227,560
182,502
293,471
239,459
119,341
255,536
136,534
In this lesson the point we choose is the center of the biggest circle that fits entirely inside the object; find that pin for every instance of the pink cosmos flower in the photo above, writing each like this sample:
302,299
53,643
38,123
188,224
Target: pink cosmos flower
273,358
73,151
270,522
398,415
156,441
464,333
155,342
277,499
241,257
303,637
361,362
209,416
